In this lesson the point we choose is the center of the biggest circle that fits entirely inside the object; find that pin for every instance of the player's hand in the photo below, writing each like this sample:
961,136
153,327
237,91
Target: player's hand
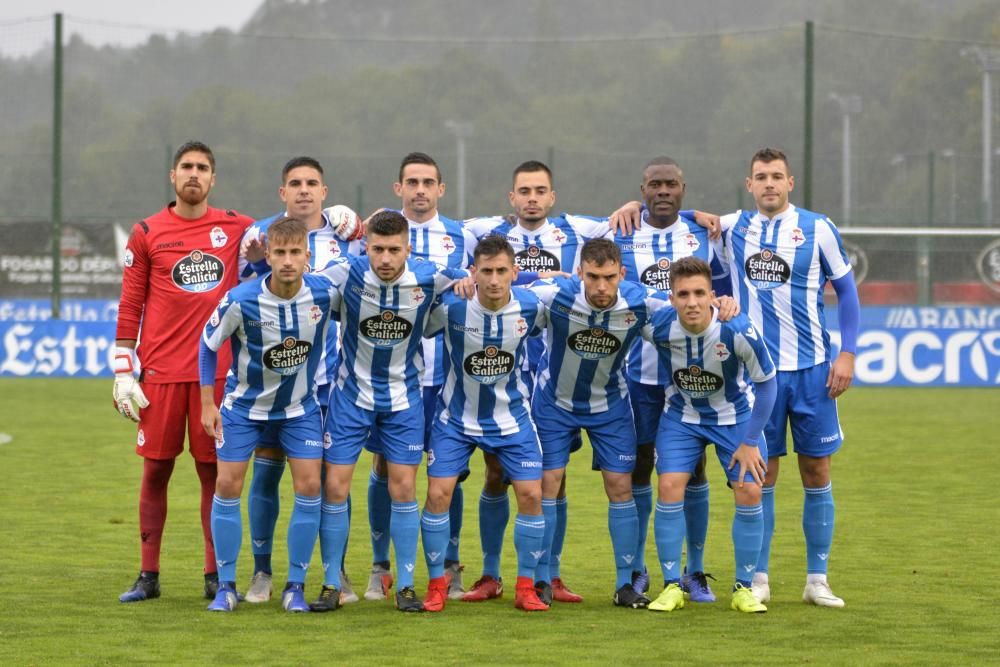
627,219
211,420
841,374
346,223
727,307
126,388
545,275
750,459
252,250
709,221
465,287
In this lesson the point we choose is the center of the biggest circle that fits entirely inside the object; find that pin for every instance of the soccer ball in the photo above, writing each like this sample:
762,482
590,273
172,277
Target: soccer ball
346,224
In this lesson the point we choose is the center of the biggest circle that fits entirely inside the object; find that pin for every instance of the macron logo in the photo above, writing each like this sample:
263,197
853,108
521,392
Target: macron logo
749,567
259,543
433,555
409,567
822,556
376,535
538,554
628,558
668,564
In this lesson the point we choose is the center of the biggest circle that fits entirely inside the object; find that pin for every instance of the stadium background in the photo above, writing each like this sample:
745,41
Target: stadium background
595,89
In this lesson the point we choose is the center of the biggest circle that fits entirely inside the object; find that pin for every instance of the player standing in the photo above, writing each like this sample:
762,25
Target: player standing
178,263
484,404
709,401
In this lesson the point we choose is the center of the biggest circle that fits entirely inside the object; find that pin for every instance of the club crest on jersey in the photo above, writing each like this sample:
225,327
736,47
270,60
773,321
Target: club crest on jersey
767,270
797,237
447,244
386,328
417,296
534,258
287,357
218,237
334,248
198,272
696,382
315,314
129,258
691,242
720,352
141,439
594,343
558,236
657,275
489,365
630,318
521,327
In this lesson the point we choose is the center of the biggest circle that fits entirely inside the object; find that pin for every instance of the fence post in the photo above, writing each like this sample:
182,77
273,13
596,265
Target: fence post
57,89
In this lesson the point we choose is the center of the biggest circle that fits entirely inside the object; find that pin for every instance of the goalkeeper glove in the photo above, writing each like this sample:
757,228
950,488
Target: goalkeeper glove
126,388
345,222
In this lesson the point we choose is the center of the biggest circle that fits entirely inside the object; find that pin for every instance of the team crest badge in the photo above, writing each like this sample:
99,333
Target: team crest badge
797,237
630,318
141,440
327,440
521,327
558,236
417,296
334,248
315,314
447,244
721,352
129,258
691,242
218,237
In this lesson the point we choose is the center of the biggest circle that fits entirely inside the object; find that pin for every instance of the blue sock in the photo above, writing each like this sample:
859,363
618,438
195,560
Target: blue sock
263,505
494,513
334,526
643,496
543,571
766,502
404,529
303,528
347,540
379,513
529,530
748,530
227,533
668,528
623,525
696,518
455,517
817,524
554,554
434,530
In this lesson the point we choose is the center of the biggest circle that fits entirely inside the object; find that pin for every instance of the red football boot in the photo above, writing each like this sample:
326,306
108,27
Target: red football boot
437,594
487,588
526,597
562,594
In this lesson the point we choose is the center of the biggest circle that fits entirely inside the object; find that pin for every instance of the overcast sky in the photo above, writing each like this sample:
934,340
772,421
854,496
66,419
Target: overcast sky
26,27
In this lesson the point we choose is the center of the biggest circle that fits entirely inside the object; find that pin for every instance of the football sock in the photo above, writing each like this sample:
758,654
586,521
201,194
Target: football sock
696,518
817,524
494,513
528,533
206,477
303,528
643,496
543,571
455,516
558,538
227,531
404,529
434,529
347,539
766,502
623,525
153,510
748,530
263,505
333,528
379,515
669,528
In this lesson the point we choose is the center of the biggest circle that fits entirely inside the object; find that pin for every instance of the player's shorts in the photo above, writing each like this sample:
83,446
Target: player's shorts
647,405
518,453
298,437
399,435
611,433
430,399
679,447
175,409
804,401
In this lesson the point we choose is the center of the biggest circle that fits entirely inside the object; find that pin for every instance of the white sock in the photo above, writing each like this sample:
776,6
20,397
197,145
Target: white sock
815,578
760,577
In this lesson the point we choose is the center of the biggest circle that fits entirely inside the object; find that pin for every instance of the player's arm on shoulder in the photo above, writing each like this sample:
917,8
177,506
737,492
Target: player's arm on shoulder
626,219
589,227
709,221
545,290
446,277
346,224
252,262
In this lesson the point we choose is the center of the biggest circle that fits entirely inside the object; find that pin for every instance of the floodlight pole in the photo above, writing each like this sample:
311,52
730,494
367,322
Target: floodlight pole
57,90
988,60
849,104
462,131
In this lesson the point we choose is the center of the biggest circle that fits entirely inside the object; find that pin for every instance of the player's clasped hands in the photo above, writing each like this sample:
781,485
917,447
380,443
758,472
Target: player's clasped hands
749,458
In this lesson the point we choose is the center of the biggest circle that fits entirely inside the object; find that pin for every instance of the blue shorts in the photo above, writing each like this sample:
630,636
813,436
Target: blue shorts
611,433
647,405
804,401
450,450
399,435
430,399
299,437
679,447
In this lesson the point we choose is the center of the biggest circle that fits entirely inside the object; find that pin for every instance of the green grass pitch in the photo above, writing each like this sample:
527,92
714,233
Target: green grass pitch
915,557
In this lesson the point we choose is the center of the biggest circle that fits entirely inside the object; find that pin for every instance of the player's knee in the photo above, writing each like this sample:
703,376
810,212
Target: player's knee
671,488
529,498
815,471
552,482
750,494
228,486
618,486
439,495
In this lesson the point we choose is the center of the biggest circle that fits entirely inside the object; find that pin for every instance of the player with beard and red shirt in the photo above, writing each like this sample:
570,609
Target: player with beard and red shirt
178,265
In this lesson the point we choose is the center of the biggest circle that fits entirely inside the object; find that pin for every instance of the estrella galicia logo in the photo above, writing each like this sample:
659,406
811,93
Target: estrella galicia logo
287,357
386,328
766,270
594,343
489,365
534,258
696,382
198,272
657,275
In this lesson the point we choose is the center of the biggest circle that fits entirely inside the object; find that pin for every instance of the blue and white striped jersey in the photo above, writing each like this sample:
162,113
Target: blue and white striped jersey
646,256
782,266
277,346
585,348
485,393
709,370
383,324
446,242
